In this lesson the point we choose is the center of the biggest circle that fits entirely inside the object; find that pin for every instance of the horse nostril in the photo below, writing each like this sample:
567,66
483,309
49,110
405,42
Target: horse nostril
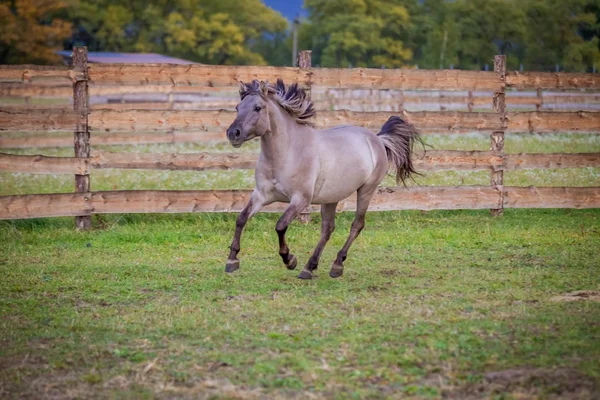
237,133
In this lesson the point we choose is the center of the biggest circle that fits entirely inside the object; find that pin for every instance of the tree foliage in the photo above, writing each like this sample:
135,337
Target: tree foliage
465,34
358,32
209,31
28,34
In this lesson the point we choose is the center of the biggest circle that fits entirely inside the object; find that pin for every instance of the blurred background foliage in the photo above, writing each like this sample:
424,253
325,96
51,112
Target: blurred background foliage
540,35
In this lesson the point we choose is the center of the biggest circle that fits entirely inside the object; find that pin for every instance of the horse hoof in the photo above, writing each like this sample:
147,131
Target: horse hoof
336,271
304,274
232,265
292,263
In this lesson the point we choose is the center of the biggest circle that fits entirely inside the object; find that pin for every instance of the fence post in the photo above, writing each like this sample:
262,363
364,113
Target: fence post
304,61
82,133
540,100
497,138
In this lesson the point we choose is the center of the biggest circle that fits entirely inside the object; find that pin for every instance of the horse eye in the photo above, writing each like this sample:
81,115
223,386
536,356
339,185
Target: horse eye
257,108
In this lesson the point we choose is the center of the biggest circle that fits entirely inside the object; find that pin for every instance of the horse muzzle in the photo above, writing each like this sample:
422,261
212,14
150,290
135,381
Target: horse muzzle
235,137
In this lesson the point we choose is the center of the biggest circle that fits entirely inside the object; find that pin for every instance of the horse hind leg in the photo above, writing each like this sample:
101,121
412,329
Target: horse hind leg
327,228
364,195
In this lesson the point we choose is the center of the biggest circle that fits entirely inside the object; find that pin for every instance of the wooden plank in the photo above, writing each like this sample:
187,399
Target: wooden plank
419,198
33,90
35,73
404,79
192,161
431,198
450,160
223,75
19,120
548,121
426,121
552,80
112,139
185,120
213,121
45,205
101,90
551,197
551,160
157,201
443,160
38,164
193,74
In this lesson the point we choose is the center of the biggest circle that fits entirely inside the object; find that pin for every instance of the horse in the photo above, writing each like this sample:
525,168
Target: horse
301,165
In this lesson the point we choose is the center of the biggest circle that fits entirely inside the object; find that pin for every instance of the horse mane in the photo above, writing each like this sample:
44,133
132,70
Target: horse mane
293,99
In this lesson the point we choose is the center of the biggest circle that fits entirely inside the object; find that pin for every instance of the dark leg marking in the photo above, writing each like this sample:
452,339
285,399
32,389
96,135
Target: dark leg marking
288,216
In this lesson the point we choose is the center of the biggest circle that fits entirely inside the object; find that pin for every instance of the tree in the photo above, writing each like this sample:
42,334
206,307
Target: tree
556,30
209,31
29,33
358,32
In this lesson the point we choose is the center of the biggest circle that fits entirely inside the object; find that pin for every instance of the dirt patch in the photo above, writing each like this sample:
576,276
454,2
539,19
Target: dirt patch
531,383
579,295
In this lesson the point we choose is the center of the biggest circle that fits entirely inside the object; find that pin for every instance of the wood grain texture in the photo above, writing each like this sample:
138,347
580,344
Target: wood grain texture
413,198
42,141
497,137
186,120
193,161
552,197
36,73
548,121
552,80
443,160
20,120
157,201
208,75
38,164
191,75
102,120
82,133
551,160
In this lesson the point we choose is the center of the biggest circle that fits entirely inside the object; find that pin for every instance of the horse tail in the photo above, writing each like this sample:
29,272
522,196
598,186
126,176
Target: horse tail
399,137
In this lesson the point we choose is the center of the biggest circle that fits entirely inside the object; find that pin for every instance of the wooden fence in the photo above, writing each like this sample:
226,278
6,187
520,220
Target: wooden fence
113,125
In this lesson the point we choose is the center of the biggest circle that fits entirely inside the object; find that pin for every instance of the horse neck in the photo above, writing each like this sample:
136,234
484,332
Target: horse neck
276,143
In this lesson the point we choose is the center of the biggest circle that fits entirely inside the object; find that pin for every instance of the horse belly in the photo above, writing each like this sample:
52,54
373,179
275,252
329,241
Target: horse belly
340,184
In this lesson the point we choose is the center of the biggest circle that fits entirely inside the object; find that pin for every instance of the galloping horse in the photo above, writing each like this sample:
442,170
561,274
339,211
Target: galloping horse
301,165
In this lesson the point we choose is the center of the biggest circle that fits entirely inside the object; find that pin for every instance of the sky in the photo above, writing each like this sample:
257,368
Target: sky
289,8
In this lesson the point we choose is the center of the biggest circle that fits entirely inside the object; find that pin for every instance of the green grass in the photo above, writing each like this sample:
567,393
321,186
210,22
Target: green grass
429,304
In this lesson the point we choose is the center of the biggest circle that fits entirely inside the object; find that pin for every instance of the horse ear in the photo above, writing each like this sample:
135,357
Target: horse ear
243,88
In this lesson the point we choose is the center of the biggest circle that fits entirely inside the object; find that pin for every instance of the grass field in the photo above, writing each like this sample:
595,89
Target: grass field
452,304
440,304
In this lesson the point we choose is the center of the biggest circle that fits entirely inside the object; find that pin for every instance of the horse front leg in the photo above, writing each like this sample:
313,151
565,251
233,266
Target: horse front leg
256,203
297,204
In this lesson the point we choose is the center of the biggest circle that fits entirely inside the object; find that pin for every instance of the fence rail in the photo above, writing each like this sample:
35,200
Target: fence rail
445,160
107,120
387,199
159,122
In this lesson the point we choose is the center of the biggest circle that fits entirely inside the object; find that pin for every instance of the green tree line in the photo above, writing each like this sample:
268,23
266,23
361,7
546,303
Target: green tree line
465,34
